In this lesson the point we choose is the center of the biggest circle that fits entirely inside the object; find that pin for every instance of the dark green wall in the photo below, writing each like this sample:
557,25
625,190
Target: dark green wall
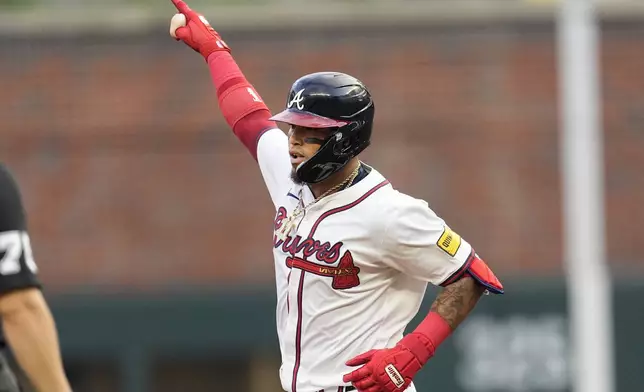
518,341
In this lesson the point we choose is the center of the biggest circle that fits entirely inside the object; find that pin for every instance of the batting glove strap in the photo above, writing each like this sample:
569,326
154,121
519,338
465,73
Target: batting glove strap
420,346
426,338
214,45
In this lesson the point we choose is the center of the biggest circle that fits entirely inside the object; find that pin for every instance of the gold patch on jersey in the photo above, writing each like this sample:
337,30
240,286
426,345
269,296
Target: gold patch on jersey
449,241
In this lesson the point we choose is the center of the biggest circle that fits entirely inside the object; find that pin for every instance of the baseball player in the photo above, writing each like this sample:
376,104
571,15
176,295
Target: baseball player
26,319
353,256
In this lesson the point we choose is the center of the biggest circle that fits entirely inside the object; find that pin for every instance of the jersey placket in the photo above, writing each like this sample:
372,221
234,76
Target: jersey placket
295,319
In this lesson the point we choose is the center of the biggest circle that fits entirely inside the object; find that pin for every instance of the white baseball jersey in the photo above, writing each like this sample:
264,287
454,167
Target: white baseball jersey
353,273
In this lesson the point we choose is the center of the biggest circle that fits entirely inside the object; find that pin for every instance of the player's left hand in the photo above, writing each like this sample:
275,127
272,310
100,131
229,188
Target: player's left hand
193,29
386,370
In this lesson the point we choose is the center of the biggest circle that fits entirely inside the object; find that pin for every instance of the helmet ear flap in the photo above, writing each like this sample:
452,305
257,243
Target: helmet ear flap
343,148
344,138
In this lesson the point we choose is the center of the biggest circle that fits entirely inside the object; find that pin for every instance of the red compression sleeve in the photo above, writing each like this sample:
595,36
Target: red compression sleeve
426,338
242,107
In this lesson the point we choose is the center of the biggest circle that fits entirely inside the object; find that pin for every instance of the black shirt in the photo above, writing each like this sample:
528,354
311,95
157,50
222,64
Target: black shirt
17,267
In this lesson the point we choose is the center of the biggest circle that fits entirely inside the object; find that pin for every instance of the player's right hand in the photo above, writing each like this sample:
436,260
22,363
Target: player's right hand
385,370
195,31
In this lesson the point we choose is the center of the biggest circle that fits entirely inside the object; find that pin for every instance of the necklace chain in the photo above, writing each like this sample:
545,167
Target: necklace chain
300,208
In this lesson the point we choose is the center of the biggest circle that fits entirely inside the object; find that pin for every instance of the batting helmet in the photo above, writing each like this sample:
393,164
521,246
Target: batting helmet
330,100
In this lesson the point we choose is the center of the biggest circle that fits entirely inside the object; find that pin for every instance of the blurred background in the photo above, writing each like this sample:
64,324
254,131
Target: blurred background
152,228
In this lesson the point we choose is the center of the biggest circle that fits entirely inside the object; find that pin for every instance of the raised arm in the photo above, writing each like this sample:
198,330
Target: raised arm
239,102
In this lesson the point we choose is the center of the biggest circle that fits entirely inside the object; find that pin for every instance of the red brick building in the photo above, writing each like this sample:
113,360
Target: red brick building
132,178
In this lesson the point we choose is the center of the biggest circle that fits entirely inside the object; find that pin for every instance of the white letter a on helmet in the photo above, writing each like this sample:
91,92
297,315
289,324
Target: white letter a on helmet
298,100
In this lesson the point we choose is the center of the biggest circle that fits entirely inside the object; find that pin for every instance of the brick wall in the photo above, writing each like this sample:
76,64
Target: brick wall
131,177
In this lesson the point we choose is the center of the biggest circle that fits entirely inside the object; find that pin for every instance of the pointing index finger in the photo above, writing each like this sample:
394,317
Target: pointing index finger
182,7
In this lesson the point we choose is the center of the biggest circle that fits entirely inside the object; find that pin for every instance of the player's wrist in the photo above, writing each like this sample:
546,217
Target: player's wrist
212,46
425,339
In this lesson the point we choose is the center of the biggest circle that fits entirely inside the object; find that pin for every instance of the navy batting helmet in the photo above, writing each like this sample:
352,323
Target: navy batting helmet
330,100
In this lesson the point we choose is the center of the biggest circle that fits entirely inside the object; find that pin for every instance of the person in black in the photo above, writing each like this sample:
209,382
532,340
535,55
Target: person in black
28,325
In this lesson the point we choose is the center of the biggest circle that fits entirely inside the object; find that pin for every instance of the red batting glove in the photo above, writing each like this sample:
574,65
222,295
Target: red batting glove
387,370
196,32
393,369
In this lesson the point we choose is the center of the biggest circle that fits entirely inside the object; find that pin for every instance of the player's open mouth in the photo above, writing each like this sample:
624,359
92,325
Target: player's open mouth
297,159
